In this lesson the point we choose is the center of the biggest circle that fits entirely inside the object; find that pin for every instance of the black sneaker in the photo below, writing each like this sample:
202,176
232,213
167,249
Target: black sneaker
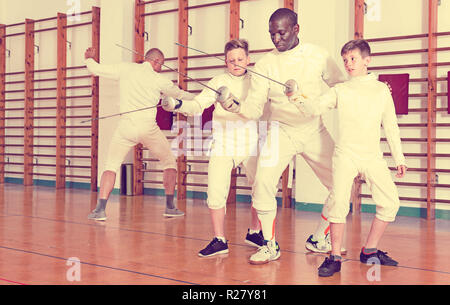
216,246
255,239
376,257
329,267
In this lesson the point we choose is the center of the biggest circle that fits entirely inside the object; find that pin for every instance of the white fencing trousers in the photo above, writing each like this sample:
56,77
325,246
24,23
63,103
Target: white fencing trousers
378,178
219,175
128,134
278,150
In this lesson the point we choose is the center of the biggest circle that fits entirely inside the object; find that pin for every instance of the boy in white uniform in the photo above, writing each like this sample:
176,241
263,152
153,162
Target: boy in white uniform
363,104
314,70
235,140
140,86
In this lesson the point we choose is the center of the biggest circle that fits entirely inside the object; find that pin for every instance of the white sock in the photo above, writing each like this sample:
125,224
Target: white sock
222,238
323,228
250,231
267,220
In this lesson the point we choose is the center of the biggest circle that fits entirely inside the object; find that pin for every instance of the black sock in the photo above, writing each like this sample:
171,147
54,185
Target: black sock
169,202
101,205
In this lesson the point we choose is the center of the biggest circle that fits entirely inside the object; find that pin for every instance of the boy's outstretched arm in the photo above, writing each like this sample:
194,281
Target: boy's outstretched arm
317,106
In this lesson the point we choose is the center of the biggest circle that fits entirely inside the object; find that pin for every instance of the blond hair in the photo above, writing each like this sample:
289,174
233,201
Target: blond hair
236,44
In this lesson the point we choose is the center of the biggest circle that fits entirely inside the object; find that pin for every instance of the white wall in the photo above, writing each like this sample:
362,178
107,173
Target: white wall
2,10
115,28
16,12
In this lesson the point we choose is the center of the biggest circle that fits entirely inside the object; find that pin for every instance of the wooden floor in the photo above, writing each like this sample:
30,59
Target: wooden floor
41,228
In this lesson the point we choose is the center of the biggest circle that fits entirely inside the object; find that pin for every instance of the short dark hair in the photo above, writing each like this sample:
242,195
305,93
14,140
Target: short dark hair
360,44
280,13
236,44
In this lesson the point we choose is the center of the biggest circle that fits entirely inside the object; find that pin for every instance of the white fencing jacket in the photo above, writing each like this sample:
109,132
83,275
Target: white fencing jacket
313,70
363,105
232,132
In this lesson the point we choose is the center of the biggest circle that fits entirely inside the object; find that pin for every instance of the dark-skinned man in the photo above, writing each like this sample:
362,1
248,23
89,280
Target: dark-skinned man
290,133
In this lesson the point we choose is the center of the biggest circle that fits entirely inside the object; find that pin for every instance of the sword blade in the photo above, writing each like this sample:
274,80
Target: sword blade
119,114
174,70
254,72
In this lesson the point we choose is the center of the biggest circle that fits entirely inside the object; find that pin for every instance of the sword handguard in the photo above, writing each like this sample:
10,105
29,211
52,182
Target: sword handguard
171,104
224,95
228,101
291,87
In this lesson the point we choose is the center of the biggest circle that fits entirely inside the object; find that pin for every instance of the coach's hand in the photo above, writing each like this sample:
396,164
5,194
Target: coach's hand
291,87
401,171
90,53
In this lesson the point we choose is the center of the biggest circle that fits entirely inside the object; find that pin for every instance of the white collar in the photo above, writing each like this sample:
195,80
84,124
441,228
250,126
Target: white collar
369,76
